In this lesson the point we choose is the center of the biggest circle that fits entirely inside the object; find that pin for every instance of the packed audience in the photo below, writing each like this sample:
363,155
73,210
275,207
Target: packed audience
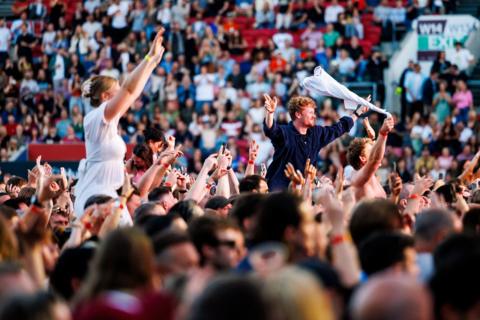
209,241
211,77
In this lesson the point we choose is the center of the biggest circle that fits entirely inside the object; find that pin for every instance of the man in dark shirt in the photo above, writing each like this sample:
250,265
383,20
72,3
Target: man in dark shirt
300,139
25,44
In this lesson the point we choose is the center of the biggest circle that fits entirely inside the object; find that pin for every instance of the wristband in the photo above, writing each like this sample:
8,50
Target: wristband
413,196
338,239
251,162
88,225
167,184
148,58
208,186
166,165
384,134
35,209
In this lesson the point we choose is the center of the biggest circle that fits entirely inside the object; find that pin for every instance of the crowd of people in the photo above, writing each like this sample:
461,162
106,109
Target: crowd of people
211,77
243,197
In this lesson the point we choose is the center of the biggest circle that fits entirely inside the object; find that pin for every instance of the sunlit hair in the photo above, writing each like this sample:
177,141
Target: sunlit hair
295,294
94,87
355,150
297,104
8,242
124,261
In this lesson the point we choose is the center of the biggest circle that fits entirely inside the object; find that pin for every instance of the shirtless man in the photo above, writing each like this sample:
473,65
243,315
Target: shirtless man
365,156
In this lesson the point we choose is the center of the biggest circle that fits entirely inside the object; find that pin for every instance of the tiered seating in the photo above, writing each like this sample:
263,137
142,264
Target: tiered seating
69,10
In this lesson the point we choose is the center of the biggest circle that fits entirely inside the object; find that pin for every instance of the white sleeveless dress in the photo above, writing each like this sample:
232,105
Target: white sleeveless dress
103,172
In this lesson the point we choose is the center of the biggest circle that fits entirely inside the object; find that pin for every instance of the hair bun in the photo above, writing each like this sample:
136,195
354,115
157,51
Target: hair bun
87,89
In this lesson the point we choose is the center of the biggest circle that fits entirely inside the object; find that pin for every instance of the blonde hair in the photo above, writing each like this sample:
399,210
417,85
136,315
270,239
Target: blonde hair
296,104
295,294
94,87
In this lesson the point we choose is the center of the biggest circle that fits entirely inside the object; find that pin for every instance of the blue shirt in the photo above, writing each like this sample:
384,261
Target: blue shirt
291,146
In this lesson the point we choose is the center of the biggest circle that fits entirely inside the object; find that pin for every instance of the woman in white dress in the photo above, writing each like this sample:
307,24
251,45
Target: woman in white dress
103,170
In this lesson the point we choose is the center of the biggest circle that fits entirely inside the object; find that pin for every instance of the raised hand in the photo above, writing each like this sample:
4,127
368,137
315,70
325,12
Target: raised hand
253,151
211,162
387,126
270,104
421,185
169,157
157,49
296,177
170,143
310,171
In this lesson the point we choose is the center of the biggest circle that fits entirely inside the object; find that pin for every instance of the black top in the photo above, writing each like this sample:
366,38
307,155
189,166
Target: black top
291,146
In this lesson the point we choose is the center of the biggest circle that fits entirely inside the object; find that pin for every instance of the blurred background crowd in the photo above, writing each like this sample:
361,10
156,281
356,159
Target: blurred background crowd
221,57
208,240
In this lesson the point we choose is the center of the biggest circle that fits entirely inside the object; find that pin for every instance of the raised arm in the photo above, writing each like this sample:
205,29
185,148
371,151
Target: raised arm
376,155
135,82
270,106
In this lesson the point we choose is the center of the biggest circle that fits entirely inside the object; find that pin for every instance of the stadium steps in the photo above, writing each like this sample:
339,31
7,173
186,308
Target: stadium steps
6,8
471,7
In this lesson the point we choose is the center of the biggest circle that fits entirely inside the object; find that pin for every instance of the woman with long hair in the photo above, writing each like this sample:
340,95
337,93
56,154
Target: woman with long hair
103,170
120,283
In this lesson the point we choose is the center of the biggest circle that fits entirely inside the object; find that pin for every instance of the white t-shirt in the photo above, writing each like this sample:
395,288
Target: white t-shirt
91,27
332,12
91,5
119,13
205,88
280,38
461,58
59,73
346,66
164,15
114,73
257,115
48,39
5,37
104,168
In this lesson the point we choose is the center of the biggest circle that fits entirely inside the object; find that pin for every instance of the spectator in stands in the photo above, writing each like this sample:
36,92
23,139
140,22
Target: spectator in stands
441,64
5,41
118,11
91,5
316,13
284,14
25,43
398,14
332,11
37,10
312,35
265,17
330,36
345,66
204,88
461,57
429,89
300,17
462,100
442,101
382,13
413,86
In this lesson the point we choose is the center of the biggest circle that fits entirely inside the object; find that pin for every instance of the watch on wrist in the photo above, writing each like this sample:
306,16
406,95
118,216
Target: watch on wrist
356,111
